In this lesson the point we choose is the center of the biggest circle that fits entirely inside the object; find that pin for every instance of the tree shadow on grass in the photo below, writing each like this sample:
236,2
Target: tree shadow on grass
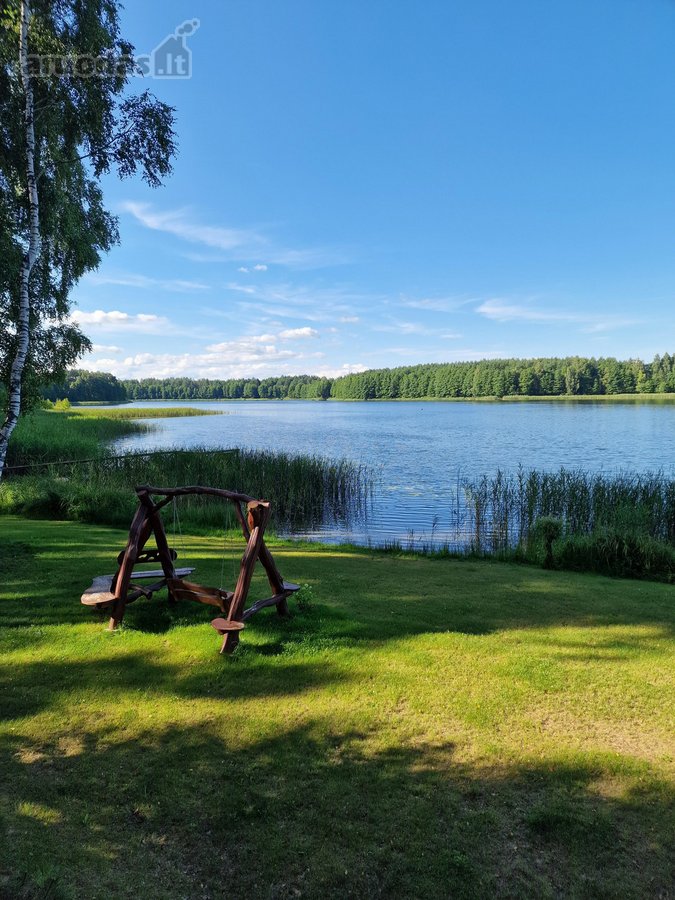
315,812
32,687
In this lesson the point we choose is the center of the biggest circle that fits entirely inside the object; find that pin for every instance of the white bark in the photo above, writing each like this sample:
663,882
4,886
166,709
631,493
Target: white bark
34,243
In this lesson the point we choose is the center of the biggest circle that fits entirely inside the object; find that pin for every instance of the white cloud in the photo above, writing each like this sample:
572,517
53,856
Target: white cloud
231,359
260,268
105,348
503,311
243,269
349,319
129,279
291,333
346,369
114,320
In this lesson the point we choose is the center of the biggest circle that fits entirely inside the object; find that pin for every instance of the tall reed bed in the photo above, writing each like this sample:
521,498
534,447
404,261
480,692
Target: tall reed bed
143,412
304,490
503,510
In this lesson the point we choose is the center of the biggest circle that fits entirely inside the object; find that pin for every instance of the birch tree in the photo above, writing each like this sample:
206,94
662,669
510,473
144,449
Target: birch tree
67,118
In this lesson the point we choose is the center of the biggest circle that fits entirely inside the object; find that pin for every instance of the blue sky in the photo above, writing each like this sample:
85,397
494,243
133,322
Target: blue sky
366,184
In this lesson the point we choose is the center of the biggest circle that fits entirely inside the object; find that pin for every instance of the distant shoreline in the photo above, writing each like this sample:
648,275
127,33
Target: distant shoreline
511,398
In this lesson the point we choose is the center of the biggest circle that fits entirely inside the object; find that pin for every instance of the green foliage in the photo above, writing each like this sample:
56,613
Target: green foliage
304,598
139,412
489,378
304,490
547,530
44,437
85,127
80,386
611,551
620,525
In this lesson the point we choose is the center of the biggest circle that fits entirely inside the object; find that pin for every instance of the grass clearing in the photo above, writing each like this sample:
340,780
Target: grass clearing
419,728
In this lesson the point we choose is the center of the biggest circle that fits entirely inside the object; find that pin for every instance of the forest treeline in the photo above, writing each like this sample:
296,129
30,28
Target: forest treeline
574,376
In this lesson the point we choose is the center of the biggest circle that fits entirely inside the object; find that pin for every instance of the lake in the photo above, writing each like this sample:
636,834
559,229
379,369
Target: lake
421,452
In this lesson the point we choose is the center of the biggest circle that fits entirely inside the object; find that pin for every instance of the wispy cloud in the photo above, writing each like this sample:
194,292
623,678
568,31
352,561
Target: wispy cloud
411,328
434,304
116,321
238,243
504,311
130,279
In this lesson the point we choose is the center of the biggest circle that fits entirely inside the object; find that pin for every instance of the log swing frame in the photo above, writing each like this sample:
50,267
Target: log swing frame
115,592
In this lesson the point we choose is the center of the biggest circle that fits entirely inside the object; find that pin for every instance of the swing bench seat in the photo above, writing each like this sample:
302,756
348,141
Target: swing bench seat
100,595
115,592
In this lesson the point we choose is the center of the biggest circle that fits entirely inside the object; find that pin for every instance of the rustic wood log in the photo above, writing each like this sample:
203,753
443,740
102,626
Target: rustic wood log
138,535
225,626
258,517
145,556
267,562
194,489
101,592
187,590
163,549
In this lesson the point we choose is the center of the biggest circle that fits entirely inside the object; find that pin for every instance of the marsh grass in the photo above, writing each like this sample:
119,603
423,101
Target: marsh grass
146,412
304,490
620,524
46,437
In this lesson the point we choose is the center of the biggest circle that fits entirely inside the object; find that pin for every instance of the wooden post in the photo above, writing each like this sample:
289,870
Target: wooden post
156,524
258,517
138,535
268,564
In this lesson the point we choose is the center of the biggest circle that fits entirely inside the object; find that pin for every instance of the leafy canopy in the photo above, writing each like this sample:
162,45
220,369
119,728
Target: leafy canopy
85,128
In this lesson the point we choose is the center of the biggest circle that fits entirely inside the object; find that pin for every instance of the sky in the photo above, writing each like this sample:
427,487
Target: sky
369,183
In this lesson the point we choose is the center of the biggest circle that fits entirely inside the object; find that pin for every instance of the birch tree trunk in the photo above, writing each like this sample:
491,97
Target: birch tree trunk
34,244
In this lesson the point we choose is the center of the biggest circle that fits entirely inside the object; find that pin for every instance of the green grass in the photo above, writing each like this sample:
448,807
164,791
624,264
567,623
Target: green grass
420,728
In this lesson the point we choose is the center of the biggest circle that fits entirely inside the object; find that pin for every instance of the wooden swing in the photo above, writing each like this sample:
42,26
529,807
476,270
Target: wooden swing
114,592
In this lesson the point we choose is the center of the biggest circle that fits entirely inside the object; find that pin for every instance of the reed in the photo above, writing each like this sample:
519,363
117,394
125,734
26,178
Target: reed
144,412
304,490
622,518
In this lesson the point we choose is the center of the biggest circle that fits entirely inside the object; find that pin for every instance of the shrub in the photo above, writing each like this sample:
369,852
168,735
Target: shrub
614,552
547,530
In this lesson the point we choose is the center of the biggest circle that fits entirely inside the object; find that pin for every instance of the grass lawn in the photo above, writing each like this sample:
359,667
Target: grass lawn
425,728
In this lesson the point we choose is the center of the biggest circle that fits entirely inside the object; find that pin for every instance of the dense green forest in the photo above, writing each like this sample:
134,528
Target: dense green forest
575,376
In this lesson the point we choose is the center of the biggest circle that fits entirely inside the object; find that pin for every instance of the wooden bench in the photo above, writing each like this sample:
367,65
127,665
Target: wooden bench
114,592
100,593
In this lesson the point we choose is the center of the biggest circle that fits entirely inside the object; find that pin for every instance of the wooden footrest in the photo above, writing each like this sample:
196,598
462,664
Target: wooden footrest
225,626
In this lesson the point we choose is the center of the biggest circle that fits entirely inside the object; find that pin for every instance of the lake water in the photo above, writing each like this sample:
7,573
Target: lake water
421,452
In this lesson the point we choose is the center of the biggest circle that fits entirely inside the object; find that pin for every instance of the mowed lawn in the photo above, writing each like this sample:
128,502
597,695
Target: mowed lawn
424,728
